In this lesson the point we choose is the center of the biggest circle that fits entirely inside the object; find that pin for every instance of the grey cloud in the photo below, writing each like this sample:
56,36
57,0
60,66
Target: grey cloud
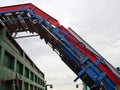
98,22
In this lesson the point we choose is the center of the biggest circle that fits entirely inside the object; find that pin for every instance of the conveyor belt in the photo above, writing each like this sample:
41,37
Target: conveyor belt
87,64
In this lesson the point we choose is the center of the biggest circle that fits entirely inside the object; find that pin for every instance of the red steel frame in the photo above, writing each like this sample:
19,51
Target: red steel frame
55,22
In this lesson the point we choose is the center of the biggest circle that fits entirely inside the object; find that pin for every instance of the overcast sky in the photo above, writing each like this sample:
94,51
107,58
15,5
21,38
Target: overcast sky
96,21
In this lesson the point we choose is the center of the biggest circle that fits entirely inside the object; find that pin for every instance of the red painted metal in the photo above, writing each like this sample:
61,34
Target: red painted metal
55,22
91,56
35,9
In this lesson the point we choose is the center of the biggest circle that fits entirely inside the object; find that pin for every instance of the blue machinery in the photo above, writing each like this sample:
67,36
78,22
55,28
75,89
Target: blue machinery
82,59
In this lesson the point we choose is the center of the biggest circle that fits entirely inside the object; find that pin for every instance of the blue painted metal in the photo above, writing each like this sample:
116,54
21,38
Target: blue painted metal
96,73
85,59
118,69
98,61
106,63
90,68
68,44
81,72
65,51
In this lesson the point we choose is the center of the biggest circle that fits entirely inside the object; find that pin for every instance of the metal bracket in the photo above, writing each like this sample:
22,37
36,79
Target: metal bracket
81,72
84,59
101,77
98,61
